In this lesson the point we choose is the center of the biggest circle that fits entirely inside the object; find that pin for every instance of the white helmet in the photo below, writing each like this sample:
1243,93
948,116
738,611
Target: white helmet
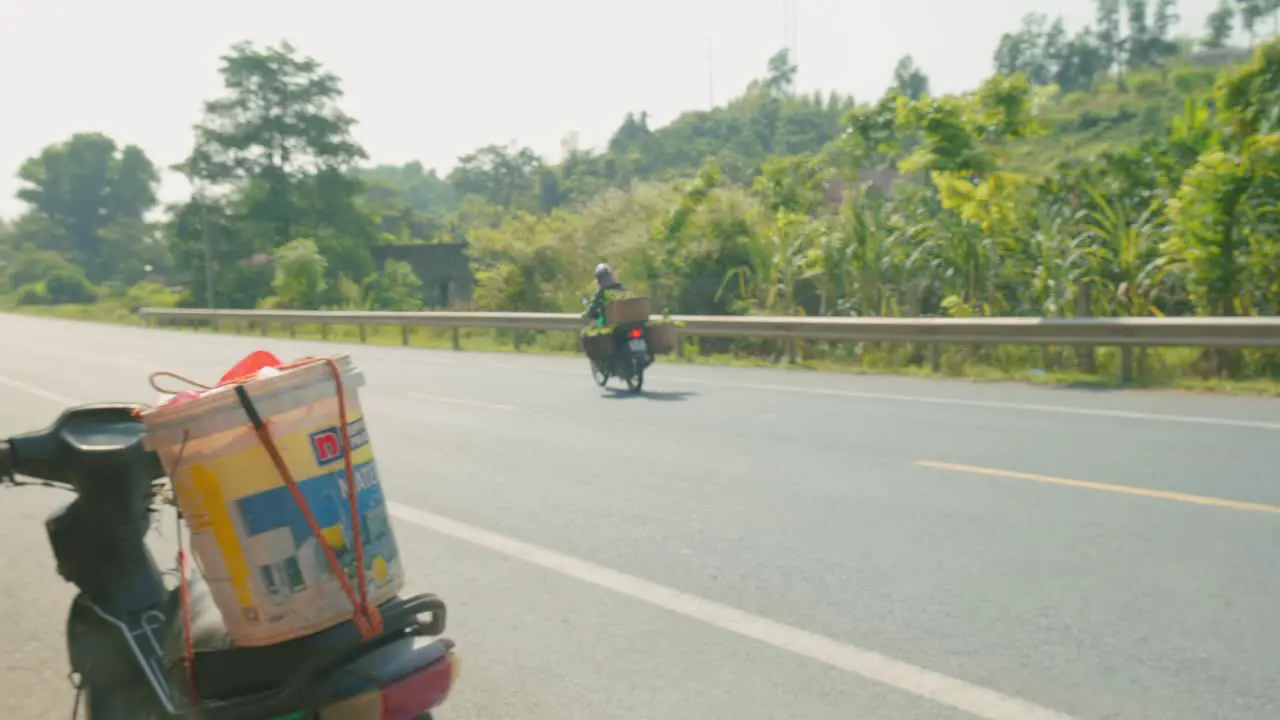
603,269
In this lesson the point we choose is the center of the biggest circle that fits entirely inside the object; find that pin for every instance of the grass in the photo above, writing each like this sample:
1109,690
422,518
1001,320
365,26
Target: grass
108,312
1161,368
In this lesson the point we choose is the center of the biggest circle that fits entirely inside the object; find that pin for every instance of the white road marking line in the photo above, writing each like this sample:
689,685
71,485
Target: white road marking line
460,401
1029,407
973,699
38,392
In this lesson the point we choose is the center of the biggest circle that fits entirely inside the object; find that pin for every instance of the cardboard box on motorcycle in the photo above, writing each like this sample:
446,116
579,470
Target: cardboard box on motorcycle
626,310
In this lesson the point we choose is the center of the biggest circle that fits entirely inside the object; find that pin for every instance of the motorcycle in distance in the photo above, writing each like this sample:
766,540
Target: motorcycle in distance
126,631
628,361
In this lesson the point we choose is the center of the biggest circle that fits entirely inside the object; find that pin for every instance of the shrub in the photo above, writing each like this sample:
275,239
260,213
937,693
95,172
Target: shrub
32,294
148,294
68,285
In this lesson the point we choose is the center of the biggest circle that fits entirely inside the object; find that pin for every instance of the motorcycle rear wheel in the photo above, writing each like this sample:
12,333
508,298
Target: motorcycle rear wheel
599,374
635,381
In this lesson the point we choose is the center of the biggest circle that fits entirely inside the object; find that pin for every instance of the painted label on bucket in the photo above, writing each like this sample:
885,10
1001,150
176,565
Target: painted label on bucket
267,572
326,444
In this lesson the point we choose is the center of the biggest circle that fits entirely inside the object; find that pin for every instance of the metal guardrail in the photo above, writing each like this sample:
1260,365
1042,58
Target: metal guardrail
1126,333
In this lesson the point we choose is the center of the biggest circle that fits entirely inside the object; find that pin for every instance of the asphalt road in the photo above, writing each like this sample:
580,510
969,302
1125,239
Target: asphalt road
760,544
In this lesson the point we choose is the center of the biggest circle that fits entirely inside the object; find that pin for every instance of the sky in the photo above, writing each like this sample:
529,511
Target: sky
431,81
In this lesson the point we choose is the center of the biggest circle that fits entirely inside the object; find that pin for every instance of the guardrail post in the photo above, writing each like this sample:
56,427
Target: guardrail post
457,339
404,335
679,344
935,358
293,330
1126,364
363,334
262,328
324,331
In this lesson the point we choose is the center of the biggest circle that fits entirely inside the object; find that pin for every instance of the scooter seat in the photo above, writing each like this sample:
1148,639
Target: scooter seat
224,671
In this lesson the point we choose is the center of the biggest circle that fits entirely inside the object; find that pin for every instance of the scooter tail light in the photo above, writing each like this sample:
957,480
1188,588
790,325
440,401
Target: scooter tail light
637,332
409,697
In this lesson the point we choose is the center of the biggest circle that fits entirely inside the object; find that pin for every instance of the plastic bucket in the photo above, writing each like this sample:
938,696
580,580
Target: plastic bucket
268,575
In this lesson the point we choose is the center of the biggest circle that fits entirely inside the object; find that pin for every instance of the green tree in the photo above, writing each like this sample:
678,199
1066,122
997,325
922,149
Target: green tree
872,139
408,203
395,288
299,281
92,196
909,79
277,151
278,123
419,189
1251,12
1111,39
1272,8
1148,42
1035,50
1219,24
520,265
1166,17
505,177
781,77
1138,43
1083,60
1224,213
28,265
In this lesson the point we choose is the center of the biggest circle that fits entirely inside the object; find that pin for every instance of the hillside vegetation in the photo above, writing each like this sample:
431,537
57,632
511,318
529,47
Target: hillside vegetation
1113,171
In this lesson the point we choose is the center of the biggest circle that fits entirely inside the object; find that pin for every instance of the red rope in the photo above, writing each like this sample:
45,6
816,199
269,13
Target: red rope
365,615
372,616
362,623
184,599
188,643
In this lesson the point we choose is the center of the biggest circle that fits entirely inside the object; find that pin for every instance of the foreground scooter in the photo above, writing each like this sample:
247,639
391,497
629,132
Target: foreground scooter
128,634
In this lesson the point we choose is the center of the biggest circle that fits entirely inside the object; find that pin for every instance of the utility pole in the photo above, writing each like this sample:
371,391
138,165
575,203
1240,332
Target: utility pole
791,30
711,74
208,250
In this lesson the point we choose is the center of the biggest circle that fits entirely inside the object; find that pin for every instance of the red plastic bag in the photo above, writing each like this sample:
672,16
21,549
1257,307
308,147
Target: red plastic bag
249,366
181,397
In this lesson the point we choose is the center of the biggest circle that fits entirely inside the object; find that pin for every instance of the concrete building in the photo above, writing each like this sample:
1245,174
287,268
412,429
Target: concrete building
443,268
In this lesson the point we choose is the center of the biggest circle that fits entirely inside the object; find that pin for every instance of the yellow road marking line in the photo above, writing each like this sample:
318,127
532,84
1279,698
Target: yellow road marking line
1105,487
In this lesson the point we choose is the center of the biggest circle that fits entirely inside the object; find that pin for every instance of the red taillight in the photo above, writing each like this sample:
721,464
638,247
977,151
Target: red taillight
408,698
637,332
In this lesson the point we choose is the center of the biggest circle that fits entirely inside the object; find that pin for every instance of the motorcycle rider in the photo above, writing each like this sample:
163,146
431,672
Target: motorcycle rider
606,281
